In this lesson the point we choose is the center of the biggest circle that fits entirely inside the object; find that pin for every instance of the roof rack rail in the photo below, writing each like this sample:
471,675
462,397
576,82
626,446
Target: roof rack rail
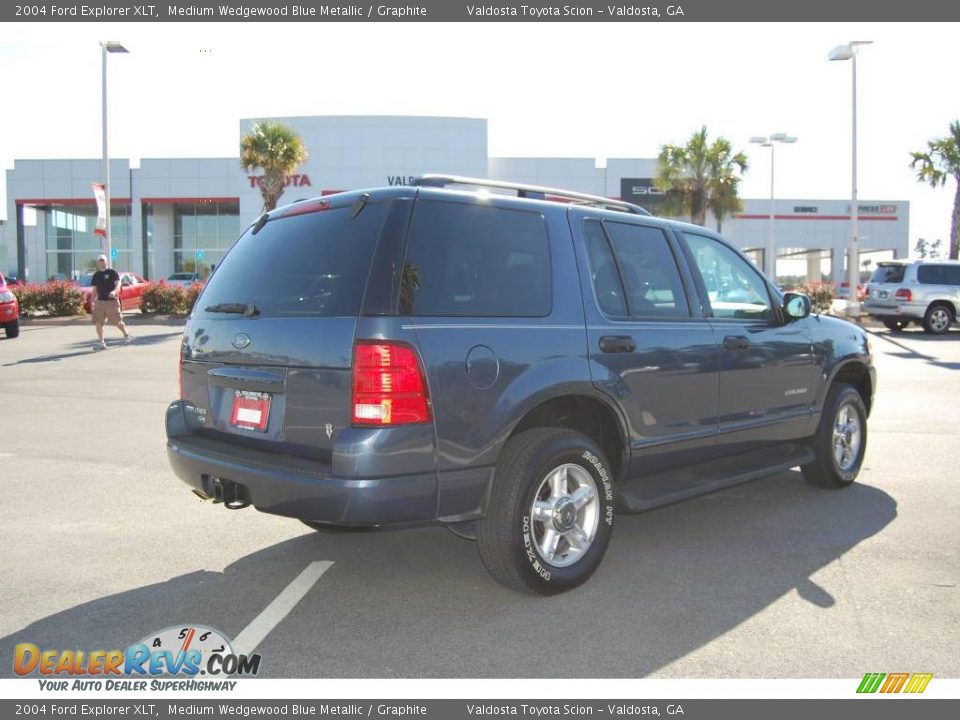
535,192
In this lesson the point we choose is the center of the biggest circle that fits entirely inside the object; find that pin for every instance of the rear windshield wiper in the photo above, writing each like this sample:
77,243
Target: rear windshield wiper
247,309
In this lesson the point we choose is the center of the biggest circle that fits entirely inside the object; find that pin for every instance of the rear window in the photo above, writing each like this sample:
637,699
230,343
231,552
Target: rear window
475,261
888,274
315,264
939,274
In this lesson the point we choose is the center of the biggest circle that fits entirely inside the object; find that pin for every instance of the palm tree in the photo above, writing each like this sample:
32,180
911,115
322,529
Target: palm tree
700,176
940,161
276,150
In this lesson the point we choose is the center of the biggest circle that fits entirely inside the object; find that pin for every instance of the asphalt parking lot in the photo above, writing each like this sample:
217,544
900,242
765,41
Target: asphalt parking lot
103,545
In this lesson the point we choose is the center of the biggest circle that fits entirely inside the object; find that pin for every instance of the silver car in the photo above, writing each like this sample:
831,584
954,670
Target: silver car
926,292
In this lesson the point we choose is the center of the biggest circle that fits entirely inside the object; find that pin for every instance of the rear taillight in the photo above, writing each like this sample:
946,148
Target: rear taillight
904,294
388,385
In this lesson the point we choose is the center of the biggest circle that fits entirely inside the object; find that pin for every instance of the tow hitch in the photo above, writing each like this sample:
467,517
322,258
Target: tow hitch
234,496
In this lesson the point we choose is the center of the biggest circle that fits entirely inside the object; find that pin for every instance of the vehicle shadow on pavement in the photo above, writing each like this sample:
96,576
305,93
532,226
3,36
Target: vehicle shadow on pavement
910,353
418,603
87,347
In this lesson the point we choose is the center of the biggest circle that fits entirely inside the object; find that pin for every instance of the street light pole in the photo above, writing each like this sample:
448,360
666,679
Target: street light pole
770,250
108,46
849,52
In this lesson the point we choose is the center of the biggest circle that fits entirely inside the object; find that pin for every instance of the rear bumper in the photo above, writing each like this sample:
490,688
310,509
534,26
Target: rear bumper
888,310
297,487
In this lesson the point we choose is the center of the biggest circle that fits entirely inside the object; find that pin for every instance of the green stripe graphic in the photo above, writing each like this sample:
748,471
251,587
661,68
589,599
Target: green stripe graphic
871,682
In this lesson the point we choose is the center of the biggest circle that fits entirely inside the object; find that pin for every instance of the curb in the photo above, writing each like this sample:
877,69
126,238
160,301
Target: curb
86,320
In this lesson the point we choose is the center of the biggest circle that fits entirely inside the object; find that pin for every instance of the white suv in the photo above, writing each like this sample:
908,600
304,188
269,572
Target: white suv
923,291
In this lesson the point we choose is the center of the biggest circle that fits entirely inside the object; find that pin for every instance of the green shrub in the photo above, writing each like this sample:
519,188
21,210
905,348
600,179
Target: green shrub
193,292
820,294
159,298
57,298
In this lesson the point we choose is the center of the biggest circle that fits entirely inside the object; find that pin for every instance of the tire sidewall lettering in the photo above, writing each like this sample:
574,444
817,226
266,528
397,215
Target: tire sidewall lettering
531,551
605,482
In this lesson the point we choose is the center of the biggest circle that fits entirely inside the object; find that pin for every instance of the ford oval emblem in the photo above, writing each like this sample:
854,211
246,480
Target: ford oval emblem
241,340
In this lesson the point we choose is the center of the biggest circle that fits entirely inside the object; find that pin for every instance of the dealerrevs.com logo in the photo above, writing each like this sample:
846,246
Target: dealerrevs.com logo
184,651
894,682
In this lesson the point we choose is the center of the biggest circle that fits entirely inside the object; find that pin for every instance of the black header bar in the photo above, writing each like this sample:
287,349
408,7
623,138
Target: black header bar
496,11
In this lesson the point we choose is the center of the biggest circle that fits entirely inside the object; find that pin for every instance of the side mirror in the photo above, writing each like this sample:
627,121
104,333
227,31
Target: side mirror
796,306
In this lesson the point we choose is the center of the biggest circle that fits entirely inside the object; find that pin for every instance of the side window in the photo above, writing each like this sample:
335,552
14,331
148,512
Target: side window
649,271
939,274
475,261
734,288
603,271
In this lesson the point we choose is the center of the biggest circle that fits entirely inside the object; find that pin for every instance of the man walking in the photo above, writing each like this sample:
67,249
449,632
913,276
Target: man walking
106,301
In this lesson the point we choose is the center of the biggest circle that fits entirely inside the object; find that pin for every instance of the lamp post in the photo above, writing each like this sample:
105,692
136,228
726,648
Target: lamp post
107,46
770,251
849,52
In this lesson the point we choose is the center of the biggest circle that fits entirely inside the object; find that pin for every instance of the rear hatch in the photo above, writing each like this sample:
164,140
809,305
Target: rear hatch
887,278
267,353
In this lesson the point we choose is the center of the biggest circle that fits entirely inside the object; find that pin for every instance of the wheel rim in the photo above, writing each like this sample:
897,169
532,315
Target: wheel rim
565,515
939,320
847,437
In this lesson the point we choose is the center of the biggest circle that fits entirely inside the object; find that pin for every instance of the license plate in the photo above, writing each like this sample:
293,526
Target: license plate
251,410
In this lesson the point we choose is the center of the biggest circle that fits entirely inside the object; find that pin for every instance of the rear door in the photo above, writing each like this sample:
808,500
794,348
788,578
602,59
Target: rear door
268,349
650,347
767,375
940,282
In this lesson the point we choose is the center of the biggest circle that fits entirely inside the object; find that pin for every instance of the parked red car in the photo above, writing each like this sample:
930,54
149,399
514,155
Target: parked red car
843,291
9,310
131,290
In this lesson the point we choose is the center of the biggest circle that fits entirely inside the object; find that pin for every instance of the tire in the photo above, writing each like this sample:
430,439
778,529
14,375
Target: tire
843,406
12,328
555,470
937,319
895,325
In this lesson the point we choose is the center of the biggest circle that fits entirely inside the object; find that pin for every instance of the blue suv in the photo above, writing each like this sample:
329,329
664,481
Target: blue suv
520,364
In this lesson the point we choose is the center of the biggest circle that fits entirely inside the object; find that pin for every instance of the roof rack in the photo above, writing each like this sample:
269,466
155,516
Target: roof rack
535,192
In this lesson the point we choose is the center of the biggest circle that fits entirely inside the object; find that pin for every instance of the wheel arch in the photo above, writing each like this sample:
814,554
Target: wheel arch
948,304
857,372
583,410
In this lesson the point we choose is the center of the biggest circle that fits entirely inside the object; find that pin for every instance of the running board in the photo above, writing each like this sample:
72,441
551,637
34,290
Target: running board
671,486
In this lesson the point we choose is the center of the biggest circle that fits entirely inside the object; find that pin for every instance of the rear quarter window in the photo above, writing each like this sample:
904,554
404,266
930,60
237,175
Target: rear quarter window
939,274
467,260
314,264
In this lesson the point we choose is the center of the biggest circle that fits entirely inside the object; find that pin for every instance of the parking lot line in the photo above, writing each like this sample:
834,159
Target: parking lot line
254,633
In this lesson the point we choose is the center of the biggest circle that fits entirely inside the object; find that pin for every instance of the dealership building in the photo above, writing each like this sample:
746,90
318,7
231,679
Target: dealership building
182,214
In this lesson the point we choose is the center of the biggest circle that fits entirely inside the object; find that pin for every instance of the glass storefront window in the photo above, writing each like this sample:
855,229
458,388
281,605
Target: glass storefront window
71,243
203,232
